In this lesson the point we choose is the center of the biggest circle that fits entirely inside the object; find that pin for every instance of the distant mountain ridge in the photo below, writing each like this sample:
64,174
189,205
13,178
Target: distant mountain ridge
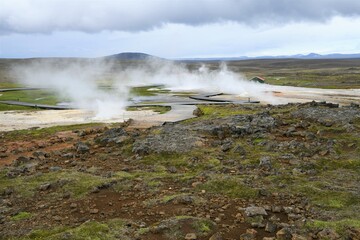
131,56
139,56
297,56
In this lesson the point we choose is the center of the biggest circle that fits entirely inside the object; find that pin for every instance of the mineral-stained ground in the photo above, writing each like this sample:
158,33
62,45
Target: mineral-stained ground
236,172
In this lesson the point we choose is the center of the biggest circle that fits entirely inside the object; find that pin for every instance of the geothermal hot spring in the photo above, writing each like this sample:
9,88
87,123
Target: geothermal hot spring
79,84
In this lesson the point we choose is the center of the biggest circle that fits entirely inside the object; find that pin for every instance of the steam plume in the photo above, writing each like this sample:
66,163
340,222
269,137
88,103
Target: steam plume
78,81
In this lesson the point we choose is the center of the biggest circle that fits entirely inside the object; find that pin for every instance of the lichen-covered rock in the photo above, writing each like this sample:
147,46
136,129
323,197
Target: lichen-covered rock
255,211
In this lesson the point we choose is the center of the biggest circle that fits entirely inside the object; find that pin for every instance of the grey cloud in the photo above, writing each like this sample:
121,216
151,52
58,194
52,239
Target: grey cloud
44,16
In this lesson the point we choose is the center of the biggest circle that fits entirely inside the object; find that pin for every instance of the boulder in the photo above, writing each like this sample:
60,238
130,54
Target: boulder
255,211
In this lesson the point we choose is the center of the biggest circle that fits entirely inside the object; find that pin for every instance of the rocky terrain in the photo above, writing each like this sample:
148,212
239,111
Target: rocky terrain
235,172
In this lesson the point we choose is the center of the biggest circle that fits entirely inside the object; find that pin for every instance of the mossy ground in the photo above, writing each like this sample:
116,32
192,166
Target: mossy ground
158,109
207,173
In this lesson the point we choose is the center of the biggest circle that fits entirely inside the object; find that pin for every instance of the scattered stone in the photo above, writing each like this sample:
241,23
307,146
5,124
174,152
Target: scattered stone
198,112
216,236
190,236
94,211
239,149
73,205
226,147
328,234
21,160
265,163
298,237
276,209
183,199
55,168
57,218
172,169
255,211
283,234
39,155
249,235
270,227
44,186
82,148
68,155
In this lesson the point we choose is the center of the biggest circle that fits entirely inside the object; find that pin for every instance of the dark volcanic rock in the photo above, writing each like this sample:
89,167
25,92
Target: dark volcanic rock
328,116
114,135
171,139
82,147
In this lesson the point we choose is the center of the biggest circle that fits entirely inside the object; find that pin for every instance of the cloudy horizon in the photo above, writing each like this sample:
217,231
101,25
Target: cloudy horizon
177,28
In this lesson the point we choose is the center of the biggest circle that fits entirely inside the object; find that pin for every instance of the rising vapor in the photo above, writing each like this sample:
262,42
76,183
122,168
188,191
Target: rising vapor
78,82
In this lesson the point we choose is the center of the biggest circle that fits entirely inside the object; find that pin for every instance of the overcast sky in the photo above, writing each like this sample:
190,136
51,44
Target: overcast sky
178,28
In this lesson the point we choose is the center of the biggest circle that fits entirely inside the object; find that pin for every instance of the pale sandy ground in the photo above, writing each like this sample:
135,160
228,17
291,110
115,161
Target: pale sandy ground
14,120
284,94
297,94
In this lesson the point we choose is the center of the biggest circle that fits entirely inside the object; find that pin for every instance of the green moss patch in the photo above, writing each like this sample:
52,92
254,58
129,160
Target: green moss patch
113,229
338,226
21,216
229,186
76,183
158,109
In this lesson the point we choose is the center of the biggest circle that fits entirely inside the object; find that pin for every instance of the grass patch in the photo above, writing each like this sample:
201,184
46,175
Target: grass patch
320,193
21,216
203,226
9,85
158,109
228,110
6,107
45,132
46,233
152,90
229,186
31,96
112,229
338,226
166,159
76,183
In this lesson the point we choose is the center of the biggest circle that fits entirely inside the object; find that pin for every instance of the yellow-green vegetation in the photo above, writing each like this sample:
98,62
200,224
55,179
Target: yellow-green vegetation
21,216
338,226
9,85
41,234
31,96
203,226
76,183
200,226
322,73
6,107
152,90
224,111
158,109
143,231
166,159
320,194
334,78
204,159
112,229
43,132
230,186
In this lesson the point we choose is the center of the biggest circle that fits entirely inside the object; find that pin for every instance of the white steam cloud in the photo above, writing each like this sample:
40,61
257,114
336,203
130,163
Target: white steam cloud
79,82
